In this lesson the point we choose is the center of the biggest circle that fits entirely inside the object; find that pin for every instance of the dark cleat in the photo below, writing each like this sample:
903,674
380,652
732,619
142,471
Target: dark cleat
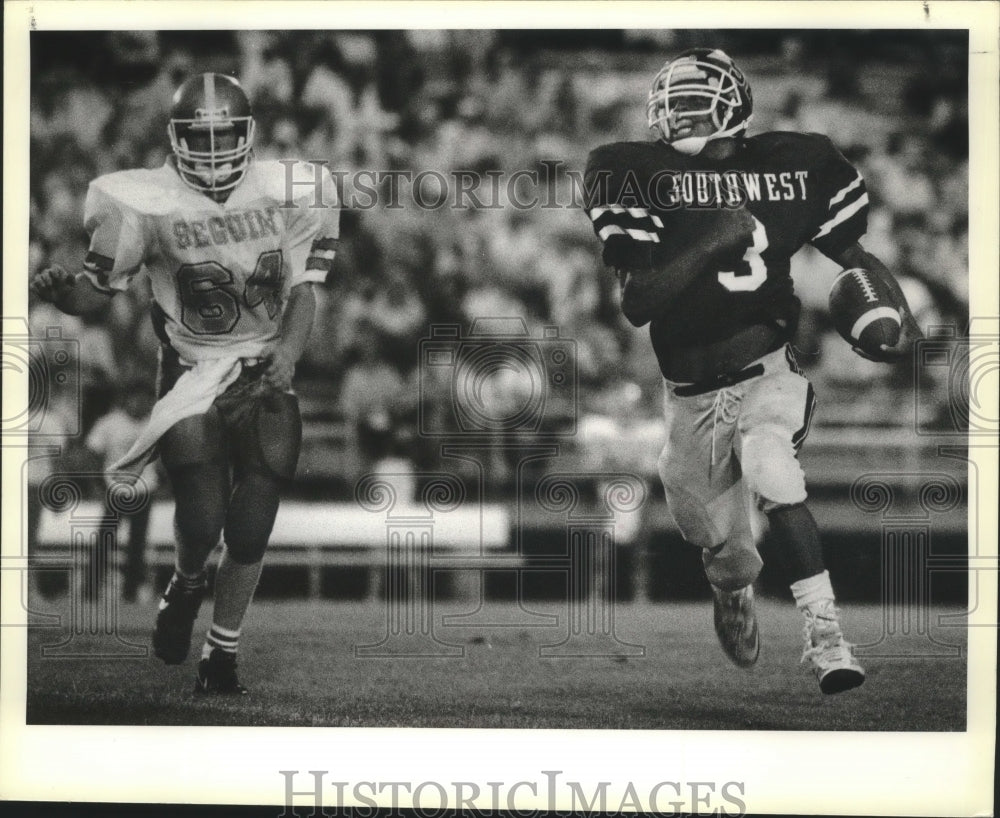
217,675
841,679
175,622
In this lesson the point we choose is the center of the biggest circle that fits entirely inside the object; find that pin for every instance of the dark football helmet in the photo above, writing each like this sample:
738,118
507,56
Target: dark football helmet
711,85
211,133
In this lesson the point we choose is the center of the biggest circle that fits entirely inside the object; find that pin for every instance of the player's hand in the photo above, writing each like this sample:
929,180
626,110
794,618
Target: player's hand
280,369
909,334
52,284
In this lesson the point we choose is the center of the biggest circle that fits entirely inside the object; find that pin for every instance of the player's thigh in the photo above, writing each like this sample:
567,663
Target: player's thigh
193,441
266,435
696,454
700,475
774,422
193,452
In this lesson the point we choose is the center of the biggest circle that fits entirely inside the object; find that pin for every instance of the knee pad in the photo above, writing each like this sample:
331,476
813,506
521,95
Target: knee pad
772,471
733,565
278,435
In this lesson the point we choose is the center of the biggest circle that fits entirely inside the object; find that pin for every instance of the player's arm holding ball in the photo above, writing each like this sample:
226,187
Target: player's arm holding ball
888,291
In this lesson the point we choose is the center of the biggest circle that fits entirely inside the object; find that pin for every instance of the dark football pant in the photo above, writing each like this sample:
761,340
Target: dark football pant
228,465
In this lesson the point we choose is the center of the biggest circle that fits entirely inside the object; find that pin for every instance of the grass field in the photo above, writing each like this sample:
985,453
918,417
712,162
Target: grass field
299,662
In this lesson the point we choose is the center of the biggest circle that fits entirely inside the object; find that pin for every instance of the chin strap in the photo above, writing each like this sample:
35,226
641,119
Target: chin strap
690,145
693,145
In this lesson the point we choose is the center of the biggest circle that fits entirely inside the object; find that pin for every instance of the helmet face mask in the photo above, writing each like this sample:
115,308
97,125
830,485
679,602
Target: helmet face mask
700,83
211,133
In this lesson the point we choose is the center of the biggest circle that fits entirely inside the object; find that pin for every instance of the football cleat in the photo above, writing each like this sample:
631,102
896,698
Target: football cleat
217,675
736,625
175,622
831,656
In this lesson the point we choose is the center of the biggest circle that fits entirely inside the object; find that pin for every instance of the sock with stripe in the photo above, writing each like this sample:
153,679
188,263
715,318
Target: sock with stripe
219,638
187,582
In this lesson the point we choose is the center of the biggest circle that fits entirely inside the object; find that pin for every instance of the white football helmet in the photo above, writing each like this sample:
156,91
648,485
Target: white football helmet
713,86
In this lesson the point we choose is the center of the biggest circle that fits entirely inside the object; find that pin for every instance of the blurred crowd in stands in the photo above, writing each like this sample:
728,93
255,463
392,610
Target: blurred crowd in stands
501,101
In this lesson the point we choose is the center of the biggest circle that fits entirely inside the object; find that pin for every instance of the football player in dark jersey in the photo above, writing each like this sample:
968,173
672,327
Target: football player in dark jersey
701,225
232,266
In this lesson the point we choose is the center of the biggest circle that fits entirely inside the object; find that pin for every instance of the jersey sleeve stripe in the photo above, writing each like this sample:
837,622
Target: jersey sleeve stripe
800,436
638,235
842,216
610,230
320,264
639,213
307,277
842,193
634,222
643,235
325,244
97,262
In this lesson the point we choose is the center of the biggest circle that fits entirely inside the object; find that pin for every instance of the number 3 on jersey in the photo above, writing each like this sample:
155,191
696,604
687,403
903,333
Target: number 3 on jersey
752,271
209,304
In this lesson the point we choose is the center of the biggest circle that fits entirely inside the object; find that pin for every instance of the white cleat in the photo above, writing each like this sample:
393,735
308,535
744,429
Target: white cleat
831,656
736,625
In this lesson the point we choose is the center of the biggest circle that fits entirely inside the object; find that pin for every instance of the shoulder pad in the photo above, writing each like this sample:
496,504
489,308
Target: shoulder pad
622,155
305,182
147,192
815,148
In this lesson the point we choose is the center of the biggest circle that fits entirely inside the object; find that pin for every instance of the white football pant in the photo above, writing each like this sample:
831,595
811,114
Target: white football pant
729,450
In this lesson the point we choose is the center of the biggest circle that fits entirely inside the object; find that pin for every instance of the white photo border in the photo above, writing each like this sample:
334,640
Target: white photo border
793,772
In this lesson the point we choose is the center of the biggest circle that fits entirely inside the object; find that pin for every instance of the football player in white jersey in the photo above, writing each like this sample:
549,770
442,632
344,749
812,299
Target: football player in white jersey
232,248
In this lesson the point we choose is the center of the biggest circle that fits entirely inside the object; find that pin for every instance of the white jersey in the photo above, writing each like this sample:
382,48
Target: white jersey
219,272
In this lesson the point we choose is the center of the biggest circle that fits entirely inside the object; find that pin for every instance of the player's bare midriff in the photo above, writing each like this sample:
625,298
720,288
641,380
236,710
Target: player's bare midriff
703,362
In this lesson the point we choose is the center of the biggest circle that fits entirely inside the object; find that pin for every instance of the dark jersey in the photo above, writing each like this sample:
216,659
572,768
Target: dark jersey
647,202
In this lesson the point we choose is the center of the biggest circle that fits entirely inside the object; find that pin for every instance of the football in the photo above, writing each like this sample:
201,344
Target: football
864,310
